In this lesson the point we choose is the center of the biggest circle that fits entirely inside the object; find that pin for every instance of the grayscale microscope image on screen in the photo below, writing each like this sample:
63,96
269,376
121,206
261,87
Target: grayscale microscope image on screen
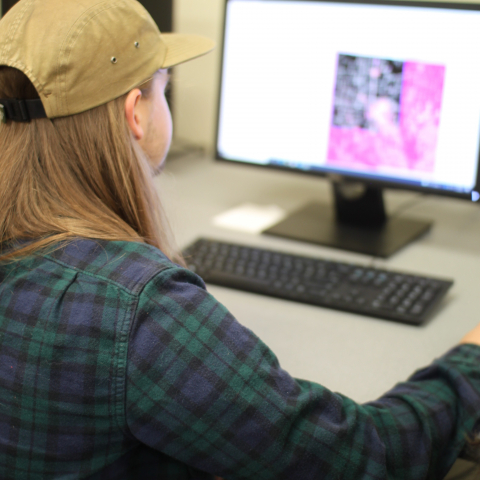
360,84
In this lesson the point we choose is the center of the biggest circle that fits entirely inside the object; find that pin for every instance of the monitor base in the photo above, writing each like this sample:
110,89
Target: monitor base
316,223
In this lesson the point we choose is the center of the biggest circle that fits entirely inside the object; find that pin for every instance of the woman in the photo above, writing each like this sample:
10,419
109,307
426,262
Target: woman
116,362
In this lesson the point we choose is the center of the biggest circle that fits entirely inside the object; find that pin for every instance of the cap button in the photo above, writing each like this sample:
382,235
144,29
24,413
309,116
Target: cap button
137,45
113,59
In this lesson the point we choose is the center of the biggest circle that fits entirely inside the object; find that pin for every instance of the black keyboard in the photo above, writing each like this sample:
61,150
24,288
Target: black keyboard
369,291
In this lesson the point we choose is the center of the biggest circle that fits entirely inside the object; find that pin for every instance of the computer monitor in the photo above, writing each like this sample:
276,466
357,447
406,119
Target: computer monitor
371,94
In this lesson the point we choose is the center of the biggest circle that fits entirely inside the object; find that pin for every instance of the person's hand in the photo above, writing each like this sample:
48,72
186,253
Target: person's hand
472,336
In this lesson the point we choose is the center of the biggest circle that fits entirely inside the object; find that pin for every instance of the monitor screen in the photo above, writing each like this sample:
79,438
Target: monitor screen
388,92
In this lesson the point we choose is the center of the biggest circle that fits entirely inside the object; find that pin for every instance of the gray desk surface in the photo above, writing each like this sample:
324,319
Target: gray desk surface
358,356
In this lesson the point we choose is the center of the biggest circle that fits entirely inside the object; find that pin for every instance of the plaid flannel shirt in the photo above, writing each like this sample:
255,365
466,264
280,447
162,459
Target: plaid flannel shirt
116,363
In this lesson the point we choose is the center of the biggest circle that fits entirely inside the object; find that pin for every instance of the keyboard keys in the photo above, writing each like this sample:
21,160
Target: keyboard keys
368,291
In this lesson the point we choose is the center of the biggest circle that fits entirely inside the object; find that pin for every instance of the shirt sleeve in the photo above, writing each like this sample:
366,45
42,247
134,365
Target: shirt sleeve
203,389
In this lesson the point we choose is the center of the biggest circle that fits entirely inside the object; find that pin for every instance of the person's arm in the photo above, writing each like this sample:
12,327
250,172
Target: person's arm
206,391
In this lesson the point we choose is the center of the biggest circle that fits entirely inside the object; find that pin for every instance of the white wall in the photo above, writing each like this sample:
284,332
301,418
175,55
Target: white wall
196,82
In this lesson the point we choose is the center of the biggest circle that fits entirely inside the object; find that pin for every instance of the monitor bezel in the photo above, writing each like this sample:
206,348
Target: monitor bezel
341,176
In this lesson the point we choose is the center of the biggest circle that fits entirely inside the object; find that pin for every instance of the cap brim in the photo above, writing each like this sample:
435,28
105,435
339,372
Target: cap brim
181,48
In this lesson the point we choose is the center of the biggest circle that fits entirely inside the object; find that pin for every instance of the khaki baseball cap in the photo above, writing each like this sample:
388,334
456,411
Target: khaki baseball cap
80,54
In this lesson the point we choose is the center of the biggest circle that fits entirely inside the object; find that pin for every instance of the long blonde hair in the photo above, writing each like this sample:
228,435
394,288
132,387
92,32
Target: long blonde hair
77,176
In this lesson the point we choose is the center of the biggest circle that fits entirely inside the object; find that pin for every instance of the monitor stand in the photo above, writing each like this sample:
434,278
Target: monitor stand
358,223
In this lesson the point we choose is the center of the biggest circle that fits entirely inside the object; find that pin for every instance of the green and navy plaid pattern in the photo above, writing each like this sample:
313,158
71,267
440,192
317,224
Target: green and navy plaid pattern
117,364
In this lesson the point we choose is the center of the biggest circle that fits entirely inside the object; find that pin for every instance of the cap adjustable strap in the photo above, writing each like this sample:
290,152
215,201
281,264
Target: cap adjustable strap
19,110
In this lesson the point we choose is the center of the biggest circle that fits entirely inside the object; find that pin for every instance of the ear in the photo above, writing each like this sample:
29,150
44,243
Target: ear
133,113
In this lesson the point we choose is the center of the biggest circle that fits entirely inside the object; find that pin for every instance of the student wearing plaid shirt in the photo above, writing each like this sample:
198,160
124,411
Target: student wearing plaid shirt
115,362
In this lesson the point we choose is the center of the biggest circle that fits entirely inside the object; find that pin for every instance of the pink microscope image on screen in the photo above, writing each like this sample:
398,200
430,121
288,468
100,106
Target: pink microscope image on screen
386,114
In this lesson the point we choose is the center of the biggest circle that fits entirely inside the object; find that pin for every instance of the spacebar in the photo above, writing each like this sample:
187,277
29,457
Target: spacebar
235,281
